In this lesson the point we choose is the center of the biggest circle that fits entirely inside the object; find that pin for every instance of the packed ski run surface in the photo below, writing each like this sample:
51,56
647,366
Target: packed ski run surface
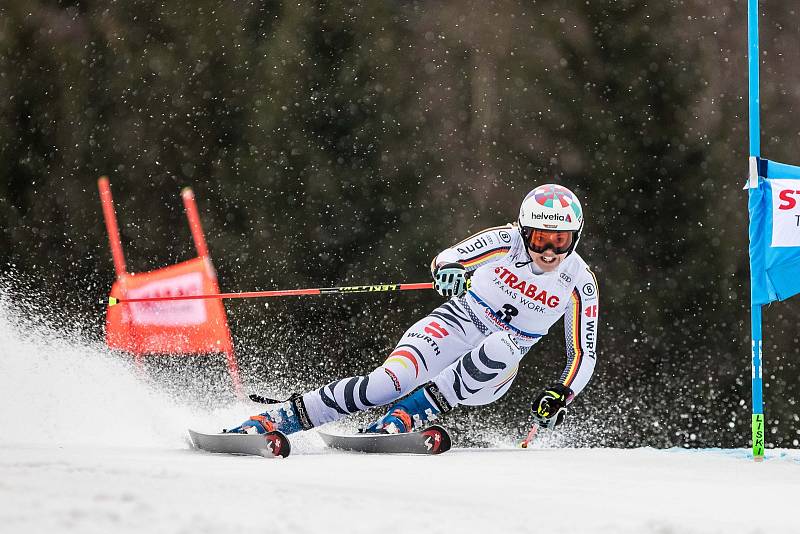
106,488
87,447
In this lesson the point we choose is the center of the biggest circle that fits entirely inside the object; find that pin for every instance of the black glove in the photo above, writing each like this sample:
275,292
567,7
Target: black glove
550,406
450,280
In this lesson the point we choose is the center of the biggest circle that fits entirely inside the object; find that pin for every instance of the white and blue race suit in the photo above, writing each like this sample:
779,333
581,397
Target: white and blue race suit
471,346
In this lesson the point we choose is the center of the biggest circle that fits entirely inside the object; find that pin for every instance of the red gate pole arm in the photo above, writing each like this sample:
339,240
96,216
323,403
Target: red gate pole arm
111,225
194,221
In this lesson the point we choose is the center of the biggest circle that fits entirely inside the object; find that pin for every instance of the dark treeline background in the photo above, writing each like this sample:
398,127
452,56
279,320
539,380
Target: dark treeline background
336,143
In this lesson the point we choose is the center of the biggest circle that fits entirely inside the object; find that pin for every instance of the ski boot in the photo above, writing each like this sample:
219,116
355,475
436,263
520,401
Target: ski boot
424,404
288,417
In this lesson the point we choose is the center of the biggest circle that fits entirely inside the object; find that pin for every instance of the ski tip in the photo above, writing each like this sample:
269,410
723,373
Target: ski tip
196,439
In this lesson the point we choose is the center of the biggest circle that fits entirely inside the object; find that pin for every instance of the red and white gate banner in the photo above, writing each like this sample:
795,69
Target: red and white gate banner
178,313
188,326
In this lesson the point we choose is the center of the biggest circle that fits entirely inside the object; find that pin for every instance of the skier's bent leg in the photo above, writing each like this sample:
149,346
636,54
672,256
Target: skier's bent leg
484,374
426,348
430,345
402,371
480,376
340,398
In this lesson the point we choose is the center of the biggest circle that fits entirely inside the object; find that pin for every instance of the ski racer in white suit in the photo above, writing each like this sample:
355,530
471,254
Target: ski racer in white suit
508,285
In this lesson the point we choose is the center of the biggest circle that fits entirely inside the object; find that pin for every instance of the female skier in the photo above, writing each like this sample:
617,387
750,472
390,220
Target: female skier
507,286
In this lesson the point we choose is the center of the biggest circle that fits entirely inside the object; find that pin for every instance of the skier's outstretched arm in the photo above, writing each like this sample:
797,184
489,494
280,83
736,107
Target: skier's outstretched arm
580,333
580,330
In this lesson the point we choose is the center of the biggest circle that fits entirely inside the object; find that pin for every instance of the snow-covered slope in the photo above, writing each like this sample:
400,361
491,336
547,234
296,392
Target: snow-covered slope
85,446
152,489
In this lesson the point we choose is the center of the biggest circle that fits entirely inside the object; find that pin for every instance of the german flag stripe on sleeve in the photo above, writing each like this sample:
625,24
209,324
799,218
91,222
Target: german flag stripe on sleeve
575,339
484,256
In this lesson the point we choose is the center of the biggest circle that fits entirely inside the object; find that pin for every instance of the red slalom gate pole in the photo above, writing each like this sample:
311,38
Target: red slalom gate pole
199,238
194,221
111,225
376,288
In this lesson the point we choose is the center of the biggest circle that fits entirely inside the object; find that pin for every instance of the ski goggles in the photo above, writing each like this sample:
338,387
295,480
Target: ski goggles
539,240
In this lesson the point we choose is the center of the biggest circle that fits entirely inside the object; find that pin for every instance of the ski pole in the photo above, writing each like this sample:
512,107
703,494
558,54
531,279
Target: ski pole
531,434
113,301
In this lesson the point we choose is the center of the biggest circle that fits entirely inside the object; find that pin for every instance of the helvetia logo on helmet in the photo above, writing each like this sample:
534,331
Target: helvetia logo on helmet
552,217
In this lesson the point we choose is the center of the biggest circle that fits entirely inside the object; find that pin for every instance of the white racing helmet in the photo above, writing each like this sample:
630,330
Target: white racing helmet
551,208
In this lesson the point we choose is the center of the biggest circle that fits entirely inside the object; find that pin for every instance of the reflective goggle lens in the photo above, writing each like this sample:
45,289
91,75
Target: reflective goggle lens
541,240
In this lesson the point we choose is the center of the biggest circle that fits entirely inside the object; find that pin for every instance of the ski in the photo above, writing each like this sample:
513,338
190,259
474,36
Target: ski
270,445
431,440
